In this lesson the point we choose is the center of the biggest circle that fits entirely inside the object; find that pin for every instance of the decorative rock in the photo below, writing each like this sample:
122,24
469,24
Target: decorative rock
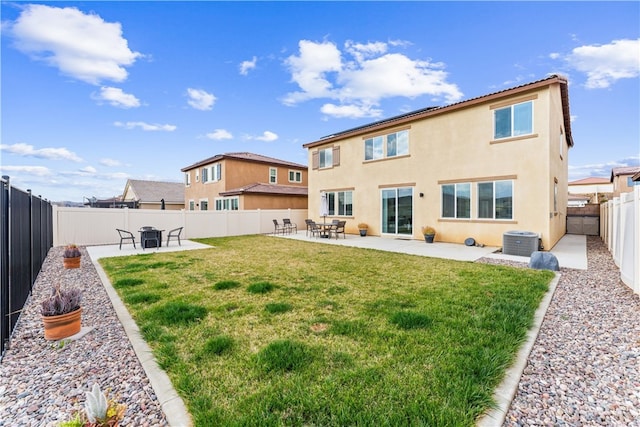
544,261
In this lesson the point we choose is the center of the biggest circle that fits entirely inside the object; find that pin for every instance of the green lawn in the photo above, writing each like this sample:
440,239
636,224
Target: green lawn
263,331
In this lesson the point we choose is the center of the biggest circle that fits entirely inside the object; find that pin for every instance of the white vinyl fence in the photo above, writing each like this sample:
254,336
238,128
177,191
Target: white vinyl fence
97,226
620,230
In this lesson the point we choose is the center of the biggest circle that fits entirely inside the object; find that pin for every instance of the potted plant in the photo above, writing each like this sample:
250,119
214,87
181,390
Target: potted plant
71,256
363,227
429,234
61,313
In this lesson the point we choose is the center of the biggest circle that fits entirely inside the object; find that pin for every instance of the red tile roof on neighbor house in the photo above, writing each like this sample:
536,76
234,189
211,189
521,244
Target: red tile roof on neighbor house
259,188
624,170
249,157
590,181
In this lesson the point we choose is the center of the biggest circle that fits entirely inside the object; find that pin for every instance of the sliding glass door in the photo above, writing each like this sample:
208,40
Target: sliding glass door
397,211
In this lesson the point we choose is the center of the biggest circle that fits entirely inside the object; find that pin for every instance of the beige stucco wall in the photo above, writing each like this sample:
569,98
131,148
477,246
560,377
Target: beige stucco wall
457,146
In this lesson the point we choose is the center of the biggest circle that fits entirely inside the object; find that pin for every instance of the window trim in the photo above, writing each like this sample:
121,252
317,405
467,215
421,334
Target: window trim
384,142
511,105
206,201
335,209
273,175
295,174
228,201
455,200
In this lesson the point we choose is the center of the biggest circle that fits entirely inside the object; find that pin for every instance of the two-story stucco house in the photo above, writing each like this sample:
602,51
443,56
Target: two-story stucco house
244,181
477,168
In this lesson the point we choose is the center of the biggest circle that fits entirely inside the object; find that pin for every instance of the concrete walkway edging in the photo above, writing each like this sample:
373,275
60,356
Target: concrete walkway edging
506,391
175,411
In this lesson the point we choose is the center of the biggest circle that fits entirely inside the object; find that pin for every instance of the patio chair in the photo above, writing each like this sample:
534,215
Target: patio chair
278,227
289,226
315,229
126,235
308,222
338,229
175,233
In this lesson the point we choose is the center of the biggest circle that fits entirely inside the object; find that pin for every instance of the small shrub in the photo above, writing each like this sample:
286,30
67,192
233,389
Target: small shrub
218,345
284,355
411,320
261,287
71,251
226,284
278,307
127,282
61,301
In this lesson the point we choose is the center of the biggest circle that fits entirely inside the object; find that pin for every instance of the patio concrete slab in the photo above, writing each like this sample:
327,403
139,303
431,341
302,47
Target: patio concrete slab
105,251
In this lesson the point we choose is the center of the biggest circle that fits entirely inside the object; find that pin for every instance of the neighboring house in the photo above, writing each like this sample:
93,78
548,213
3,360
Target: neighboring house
154,194
477,168
594,189
622,179
113,202
244,181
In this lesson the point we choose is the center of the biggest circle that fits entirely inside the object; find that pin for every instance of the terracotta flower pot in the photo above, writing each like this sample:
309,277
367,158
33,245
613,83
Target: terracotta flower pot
62,326
71,262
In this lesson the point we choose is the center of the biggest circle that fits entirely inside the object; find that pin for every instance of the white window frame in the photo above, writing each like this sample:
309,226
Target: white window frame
273,175
380,145
297,176
325,158
512,118
334,205
456,187
187,179
192,205
227,203
493,206
205,174
205,203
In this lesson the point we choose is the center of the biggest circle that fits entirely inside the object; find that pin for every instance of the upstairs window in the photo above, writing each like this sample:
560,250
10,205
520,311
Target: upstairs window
295,176
391,145
187,179
514,120
326,158
205,174
273,175
216,172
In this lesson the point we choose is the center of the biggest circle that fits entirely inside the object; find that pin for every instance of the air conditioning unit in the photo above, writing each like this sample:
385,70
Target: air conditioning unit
521,243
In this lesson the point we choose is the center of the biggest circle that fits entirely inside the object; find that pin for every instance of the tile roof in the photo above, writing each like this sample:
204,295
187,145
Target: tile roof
623,170
259,188
429,111
590,180
154,191
250,157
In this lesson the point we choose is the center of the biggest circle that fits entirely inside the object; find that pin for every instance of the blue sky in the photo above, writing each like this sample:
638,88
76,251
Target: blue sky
94,93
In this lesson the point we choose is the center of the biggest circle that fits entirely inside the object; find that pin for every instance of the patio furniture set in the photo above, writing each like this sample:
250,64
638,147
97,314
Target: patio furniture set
314,229
150,237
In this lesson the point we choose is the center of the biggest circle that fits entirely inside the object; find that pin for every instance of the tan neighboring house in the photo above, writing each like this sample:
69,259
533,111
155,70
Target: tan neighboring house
245,181
143,194
622,179
593,189
477,168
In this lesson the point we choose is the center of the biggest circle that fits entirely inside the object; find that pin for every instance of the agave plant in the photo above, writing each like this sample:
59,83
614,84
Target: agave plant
61,301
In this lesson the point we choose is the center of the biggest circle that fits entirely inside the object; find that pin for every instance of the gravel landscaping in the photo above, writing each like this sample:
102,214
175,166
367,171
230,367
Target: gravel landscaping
584,369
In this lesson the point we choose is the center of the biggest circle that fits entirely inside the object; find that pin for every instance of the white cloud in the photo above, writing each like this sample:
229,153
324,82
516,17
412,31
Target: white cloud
219,135
245,66
27,150
146,126
200,100
31,170
80,45
361,76
350,111
117,98
601,169
110,162
89,170
266,136
605,64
